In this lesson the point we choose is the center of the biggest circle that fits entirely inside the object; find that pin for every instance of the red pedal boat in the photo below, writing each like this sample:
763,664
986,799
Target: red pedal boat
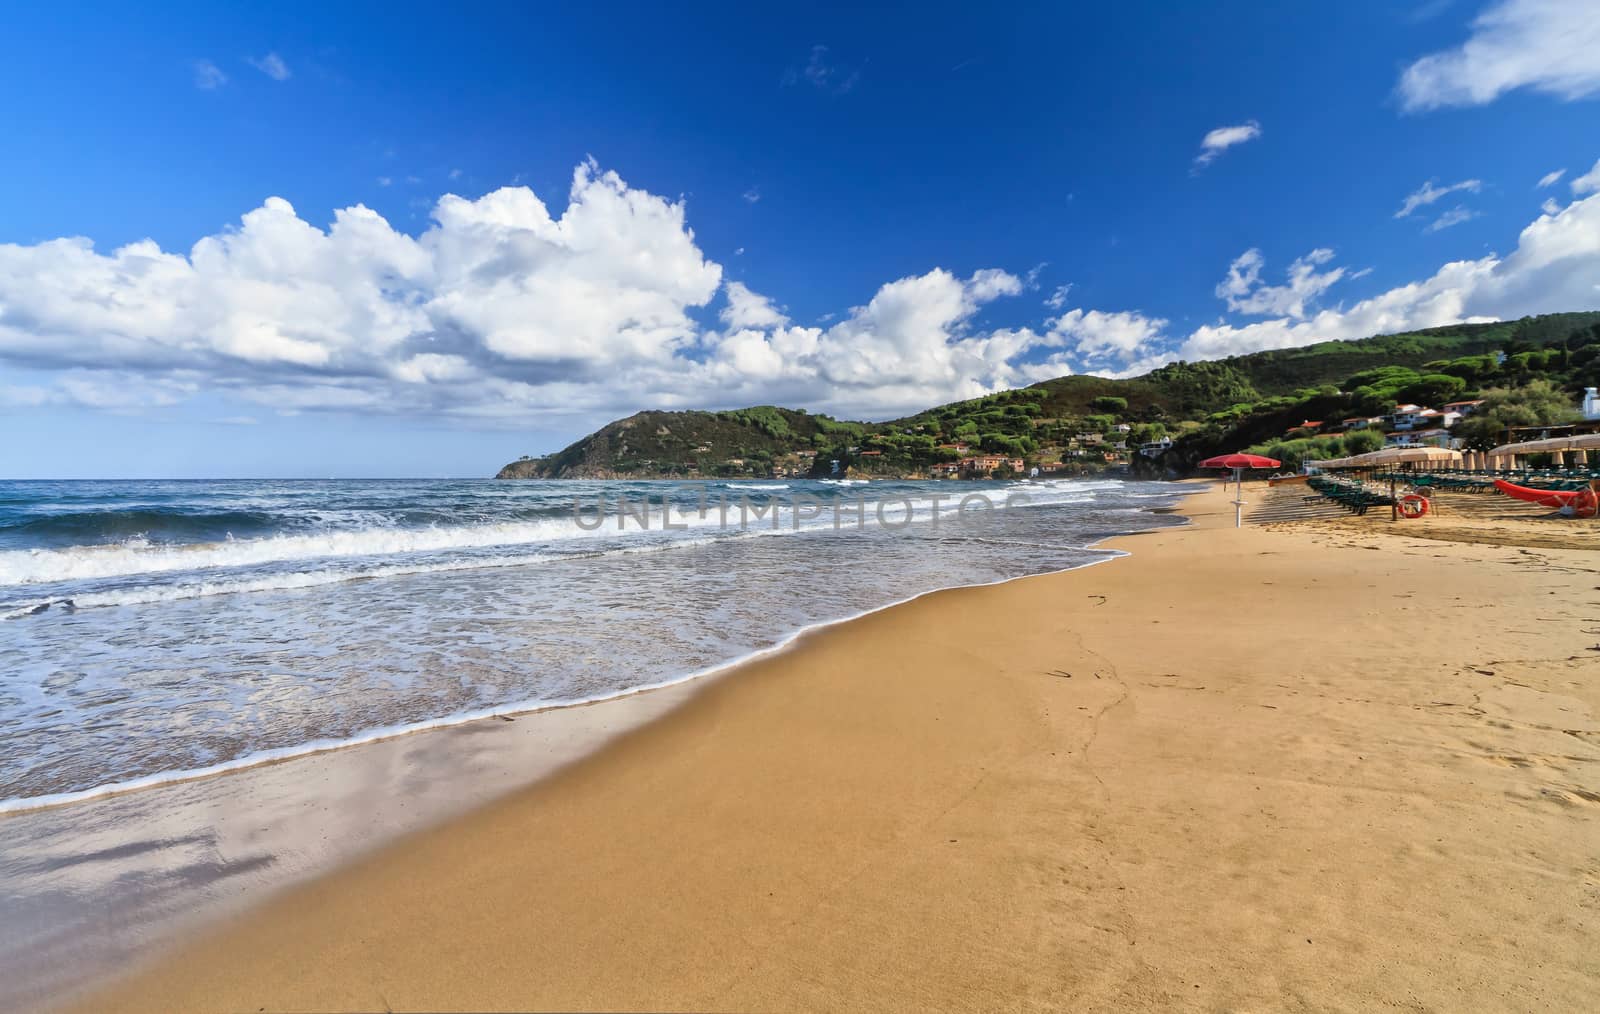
1574,503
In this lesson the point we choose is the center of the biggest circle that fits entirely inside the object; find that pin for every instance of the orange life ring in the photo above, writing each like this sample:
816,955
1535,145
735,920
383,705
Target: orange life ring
1585,505
1413,505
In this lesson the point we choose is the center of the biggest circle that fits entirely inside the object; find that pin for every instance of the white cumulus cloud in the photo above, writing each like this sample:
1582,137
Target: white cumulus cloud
1096,335
1222,138
748,309
1551,46
1588,183
1550,179
1555,266
1244,293
504,311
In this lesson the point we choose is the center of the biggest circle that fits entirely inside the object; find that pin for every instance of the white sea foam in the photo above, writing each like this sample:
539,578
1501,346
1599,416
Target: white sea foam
138,556
256,758
311,579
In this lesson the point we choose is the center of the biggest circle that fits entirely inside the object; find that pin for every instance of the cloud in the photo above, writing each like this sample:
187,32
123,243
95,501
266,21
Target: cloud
1550,46
823,73
748,309
1058,298
1428,193
1455,216
208,76
1550,179
1095,335
504,312
1554,267
384,181
752,195
1550,206
1429,10
1222,138
1588,183
271,65
1243,292
496,307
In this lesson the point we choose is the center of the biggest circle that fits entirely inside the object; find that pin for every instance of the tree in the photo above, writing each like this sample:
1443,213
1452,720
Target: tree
1362,441
1536,403
1470,368
1433,389
1146,433
1109,404
1382,377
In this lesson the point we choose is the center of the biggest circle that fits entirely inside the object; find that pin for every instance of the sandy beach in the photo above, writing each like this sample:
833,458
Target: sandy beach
1308,766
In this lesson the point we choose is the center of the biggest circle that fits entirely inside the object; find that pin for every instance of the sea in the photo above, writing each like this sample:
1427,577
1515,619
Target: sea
156,631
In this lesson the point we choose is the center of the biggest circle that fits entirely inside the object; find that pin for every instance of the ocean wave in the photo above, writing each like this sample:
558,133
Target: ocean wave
295,580
139,556
113,525
21,803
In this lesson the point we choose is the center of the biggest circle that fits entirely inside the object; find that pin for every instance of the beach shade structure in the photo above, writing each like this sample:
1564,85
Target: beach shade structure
1579,444
1332,463
1557,446
1239,462
1399,455
1582,445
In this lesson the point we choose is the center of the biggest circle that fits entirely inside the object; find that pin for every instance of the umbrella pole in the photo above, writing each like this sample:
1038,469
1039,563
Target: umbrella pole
1238,498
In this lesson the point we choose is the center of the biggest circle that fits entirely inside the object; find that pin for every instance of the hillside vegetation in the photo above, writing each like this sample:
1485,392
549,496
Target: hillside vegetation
1069,424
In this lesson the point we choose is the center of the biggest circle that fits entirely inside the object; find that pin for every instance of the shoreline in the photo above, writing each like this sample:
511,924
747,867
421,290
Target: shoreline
1060,790
517,709
185,807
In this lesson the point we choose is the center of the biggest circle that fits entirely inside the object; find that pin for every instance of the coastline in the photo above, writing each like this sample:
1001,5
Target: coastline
380,734
330,803
808,823
512,711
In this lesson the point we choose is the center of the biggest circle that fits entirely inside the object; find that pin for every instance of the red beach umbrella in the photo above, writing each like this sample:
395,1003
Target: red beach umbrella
1239,462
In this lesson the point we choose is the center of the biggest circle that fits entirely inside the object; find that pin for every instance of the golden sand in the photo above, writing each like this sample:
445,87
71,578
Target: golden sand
1316,766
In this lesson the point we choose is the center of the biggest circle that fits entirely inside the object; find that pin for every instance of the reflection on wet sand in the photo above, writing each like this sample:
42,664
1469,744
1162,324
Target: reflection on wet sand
89,889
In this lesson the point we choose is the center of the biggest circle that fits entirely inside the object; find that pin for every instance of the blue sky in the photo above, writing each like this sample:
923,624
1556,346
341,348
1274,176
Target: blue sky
858,212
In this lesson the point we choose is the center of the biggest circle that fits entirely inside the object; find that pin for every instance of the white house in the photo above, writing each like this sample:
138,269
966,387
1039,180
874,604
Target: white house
1591,403
1155,448
1419,438
1410,417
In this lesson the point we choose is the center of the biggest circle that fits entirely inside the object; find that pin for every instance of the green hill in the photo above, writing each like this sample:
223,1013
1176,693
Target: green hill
1203,407
650,444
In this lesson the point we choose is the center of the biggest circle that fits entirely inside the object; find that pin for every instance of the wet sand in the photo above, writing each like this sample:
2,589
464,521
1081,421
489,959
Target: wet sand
1313,766
88,889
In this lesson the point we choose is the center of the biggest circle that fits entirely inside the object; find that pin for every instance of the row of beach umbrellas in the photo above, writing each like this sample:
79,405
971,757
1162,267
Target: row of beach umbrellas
1396,455
1392,456
1580,442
